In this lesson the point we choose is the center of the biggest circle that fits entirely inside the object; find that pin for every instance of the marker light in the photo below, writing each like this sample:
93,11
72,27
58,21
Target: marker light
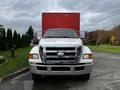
87,56
33,56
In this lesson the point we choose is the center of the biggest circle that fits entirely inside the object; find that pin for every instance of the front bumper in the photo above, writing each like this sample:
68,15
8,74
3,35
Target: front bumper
78,69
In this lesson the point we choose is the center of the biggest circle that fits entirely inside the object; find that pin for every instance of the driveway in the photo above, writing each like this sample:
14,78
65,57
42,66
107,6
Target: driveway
105,76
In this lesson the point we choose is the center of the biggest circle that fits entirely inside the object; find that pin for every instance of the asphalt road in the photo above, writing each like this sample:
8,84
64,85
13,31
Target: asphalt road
105,76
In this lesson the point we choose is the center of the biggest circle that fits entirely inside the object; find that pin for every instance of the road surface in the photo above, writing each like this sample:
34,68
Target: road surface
105,76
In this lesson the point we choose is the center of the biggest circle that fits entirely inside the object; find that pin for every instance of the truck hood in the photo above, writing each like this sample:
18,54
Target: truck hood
60,42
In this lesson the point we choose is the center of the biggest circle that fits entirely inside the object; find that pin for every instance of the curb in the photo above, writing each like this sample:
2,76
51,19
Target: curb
10,76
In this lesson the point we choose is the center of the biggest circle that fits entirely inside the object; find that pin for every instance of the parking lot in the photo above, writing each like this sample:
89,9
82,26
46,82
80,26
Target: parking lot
105,76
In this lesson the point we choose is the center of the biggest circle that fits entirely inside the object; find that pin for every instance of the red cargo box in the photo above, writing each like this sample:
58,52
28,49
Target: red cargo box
61,20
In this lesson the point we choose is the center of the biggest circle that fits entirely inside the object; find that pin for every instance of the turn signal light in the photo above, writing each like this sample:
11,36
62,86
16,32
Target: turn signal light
33,56
87,56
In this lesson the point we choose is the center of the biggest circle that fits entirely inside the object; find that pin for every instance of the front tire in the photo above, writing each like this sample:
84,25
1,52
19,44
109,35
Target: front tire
86,77
36,77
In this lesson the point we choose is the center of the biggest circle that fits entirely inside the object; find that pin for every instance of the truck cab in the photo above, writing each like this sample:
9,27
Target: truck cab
60,50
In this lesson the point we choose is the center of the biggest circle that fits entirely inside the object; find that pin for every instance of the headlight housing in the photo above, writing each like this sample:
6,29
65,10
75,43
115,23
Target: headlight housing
87,56
33,56
41,50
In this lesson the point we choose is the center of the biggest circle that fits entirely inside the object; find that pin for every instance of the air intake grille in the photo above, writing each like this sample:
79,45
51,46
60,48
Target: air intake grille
61,55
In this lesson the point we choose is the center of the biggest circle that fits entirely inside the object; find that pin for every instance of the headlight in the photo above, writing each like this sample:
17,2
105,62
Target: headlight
87,56
33,56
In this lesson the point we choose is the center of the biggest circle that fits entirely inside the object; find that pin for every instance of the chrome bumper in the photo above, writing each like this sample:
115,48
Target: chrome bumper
61,69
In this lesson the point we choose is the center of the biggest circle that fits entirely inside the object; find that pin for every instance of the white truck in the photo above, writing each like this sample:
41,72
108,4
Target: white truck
60,50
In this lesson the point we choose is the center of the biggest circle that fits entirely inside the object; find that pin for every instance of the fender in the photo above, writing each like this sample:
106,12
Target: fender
85,50
35,49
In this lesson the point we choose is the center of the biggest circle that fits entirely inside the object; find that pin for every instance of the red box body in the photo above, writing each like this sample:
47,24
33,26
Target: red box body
61,20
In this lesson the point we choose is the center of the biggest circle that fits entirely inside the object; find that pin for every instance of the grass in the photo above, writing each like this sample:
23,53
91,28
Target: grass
20,61
106,48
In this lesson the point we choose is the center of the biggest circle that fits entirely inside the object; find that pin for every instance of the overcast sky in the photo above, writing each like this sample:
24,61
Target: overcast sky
95,14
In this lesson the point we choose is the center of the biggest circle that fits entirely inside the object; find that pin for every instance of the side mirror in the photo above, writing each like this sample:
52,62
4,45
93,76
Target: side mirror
36,41
84,41
83,36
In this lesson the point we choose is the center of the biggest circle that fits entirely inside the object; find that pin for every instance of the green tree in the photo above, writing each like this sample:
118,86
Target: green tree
2,39
15,39
9,38
19,43
24,40
27,40
30,34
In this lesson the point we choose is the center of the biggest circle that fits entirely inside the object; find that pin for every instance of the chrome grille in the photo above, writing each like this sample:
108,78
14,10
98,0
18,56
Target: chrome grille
61,55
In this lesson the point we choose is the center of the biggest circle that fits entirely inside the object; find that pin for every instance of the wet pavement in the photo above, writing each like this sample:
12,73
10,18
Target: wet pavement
105,76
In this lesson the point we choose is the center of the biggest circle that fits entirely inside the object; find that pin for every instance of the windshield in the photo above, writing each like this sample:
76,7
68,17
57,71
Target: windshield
53,33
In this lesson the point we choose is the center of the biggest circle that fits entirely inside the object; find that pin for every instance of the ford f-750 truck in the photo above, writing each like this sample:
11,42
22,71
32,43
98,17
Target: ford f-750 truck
60,50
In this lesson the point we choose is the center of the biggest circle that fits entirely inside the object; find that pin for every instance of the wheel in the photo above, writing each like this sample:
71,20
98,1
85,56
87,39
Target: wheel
36,77
86,77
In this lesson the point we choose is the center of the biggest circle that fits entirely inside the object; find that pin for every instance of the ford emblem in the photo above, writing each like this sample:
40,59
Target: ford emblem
60,54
